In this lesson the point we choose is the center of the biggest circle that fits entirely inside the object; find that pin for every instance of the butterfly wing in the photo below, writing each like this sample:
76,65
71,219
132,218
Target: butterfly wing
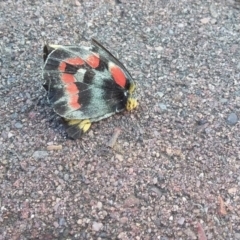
83,83
99,48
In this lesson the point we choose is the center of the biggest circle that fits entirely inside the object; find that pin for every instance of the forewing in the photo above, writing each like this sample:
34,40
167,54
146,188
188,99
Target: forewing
80,85
99,48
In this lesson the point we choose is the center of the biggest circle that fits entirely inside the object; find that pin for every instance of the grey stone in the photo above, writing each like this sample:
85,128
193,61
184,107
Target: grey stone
160,94
18,125
163,106
232,119
238,66
66,177
14,116
181,221
223,100
62,221
213,11
40,154
97,226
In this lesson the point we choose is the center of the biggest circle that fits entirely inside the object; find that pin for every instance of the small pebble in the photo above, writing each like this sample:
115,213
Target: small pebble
123,220
155,180
79,221
180,25
4,162
97,226
232,119
4,135
213,10
62,221
11,79
40,154
55,224
237,93
238,66
223,100
162,106
205,20
160,94
119,157
99,205
181,221
18,125
66,177
14,116
41,21
159,48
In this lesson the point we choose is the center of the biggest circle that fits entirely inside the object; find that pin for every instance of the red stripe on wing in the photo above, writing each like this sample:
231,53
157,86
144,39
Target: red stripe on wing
72,89
67,78
62,67
73,102
93,60
117,74
76,61
72,92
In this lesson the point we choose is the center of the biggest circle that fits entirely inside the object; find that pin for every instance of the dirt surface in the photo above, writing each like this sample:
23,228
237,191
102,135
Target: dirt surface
174,170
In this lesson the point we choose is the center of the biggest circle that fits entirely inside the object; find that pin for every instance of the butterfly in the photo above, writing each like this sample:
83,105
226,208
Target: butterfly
86,84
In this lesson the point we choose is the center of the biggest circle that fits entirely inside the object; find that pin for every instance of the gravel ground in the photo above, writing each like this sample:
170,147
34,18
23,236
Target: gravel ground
174,170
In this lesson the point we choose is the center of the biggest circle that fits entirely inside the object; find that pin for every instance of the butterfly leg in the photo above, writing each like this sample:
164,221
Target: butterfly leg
75,127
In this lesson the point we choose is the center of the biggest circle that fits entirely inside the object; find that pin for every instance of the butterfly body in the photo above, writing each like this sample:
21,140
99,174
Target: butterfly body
86,84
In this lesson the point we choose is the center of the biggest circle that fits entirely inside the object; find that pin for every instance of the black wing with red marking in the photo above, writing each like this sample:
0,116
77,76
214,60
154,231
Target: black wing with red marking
85,83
